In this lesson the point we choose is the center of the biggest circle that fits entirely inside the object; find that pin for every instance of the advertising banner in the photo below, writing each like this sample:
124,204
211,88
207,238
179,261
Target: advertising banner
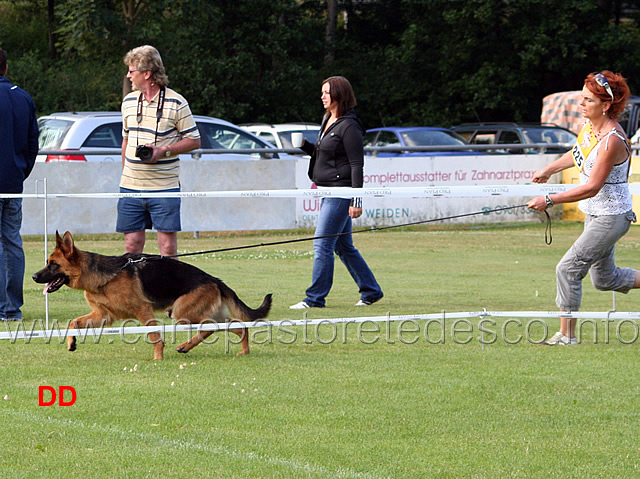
435,171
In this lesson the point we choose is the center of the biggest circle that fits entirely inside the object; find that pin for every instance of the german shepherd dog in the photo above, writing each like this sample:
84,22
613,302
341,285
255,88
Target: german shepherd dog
136,285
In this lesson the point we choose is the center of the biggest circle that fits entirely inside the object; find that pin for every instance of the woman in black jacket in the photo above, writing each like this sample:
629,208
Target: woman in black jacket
337,159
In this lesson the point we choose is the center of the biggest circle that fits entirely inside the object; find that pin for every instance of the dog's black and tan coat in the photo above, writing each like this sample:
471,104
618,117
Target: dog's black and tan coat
136,285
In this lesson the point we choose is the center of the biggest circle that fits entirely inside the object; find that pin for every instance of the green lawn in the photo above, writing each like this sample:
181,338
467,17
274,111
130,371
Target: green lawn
367,404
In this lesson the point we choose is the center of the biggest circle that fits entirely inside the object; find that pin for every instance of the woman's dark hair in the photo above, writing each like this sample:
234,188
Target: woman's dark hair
342,93
619,89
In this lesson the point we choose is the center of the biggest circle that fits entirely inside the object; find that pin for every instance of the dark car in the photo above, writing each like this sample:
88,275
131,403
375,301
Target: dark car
415,136
503,133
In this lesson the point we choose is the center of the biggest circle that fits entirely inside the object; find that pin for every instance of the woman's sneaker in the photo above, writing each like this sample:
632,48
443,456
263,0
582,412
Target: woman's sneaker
560,339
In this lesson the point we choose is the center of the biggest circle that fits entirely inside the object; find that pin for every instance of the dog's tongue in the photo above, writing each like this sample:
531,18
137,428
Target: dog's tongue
49,286
54,285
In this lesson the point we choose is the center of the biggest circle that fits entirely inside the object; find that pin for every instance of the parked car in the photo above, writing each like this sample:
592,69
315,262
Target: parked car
280,134
415,136
102,131
513,133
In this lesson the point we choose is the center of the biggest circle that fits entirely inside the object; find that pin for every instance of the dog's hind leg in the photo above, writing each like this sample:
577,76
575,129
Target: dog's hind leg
192,308
204,305
243,334
202,335
194,341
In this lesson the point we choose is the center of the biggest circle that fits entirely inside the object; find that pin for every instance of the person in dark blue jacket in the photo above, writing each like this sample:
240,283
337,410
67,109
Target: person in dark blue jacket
18,150
337,159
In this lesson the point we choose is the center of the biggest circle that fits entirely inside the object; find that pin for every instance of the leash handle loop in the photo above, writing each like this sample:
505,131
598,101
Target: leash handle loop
547,230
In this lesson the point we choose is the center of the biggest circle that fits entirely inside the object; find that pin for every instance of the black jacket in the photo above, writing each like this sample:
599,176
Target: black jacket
337,159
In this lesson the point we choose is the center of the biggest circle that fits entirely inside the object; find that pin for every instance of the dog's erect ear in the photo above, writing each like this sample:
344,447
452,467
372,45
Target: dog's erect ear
65,244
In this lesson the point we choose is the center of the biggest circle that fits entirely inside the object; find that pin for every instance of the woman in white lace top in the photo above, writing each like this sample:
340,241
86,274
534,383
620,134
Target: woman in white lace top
603,158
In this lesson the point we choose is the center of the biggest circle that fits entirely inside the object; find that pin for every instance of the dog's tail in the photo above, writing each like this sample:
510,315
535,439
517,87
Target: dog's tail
249,314
262,311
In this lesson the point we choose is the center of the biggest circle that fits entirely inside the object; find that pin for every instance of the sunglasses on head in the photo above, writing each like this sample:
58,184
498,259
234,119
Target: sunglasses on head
601,80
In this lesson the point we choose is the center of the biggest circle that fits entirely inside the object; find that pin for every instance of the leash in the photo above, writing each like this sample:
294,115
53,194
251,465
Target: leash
547,233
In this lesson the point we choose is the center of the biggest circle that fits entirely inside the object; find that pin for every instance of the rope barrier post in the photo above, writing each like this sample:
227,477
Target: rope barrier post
46,242
482,316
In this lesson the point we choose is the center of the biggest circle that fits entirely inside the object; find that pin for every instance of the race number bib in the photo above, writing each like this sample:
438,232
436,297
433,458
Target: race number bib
584,144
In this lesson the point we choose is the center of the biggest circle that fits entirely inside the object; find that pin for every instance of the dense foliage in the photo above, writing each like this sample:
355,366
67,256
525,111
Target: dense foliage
426,62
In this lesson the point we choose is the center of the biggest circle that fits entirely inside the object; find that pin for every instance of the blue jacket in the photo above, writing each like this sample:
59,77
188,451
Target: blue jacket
18,136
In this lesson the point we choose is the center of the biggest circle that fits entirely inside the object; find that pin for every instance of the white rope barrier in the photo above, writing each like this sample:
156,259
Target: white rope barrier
21,333
413,192
340,192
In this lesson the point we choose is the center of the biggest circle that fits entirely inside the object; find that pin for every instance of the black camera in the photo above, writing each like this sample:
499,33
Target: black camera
144,152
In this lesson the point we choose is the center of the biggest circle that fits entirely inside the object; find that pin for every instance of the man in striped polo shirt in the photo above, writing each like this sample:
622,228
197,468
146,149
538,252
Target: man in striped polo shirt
157,126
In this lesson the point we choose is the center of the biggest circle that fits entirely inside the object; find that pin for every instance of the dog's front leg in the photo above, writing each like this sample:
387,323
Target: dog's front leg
71,340
155,339
93,319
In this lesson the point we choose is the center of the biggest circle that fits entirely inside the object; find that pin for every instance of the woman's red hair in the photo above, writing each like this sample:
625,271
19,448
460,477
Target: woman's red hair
619,88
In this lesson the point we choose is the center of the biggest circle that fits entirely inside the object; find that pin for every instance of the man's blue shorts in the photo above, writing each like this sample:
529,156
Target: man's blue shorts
138,214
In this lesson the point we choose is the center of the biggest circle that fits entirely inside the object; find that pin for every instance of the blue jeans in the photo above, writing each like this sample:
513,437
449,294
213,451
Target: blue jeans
334,218
11,258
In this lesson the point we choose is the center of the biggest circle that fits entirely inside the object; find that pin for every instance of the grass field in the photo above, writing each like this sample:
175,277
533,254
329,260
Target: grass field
325,403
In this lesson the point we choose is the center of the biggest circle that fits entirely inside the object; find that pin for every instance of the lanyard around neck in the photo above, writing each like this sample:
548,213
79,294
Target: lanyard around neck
158,111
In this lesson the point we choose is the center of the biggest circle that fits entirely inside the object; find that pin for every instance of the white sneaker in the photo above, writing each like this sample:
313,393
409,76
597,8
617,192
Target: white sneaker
560,339
363,302
300,305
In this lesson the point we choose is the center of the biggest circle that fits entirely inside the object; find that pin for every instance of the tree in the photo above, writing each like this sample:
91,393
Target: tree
51,4
428,62
330,32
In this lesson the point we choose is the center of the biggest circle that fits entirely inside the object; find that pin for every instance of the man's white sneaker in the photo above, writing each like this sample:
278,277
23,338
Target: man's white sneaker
300,305
560,339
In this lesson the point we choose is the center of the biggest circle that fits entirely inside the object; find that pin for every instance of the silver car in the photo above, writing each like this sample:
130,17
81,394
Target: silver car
101,132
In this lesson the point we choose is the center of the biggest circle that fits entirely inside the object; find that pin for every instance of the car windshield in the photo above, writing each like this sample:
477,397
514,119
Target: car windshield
549,135
52,132
430,138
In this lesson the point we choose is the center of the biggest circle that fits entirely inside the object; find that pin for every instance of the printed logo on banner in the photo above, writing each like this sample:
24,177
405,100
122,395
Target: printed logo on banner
437,191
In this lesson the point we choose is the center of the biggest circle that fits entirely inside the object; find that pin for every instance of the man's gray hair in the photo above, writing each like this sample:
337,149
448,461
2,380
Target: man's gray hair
147,58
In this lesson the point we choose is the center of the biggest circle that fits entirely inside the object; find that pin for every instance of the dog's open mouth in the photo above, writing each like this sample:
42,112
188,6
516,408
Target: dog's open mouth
56,284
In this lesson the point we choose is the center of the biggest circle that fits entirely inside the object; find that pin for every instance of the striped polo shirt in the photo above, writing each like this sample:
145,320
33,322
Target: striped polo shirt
175,124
